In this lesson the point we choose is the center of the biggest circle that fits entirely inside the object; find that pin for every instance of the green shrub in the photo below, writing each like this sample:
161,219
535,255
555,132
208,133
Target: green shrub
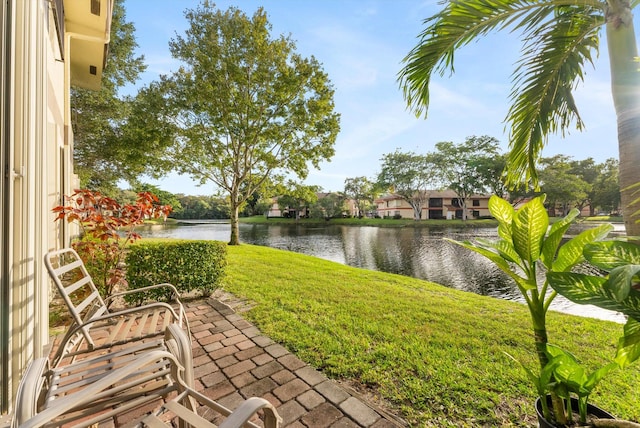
189,265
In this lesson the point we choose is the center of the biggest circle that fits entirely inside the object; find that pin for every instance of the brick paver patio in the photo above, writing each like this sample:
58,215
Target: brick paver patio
233,361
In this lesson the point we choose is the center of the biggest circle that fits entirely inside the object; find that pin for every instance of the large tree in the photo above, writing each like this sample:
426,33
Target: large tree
106,149
245,106
361,190
588,171
464,166
164,197
298,198
329,205
411,176
564,188
606,194
560,37
494,174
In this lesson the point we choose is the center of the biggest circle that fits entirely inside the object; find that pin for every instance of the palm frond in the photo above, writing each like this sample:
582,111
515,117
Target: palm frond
560,37
460,22
554,58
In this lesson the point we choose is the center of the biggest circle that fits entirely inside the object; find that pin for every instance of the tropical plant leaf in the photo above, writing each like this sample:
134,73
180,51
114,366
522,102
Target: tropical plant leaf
542,381
504,248
583,289
621,281
594,378
629,344
502,211
554,237
501,263
569,371
571,253
608,255
529,228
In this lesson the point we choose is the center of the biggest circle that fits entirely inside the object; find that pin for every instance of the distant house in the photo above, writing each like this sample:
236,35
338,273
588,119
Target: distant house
276,210
443,204
46,46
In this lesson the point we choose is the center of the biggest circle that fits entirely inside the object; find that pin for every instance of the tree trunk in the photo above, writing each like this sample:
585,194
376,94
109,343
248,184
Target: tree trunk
417,211
235,234
464,209
625,87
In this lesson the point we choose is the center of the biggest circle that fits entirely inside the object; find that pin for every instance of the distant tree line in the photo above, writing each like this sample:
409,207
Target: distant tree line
475,166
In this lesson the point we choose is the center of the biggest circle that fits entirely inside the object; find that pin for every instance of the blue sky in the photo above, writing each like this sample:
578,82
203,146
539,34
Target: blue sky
361,44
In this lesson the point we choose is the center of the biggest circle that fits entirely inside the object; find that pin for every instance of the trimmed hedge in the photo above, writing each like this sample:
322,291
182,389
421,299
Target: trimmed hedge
187,264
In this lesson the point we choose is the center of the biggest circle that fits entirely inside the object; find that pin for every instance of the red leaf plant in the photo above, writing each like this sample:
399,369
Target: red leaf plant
106,229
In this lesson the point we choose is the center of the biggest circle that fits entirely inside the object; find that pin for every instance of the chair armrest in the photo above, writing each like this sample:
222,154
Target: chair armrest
29,390
184,406
247,409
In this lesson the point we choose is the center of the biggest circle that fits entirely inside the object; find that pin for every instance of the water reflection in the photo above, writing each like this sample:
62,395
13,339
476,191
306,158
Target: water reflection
417,252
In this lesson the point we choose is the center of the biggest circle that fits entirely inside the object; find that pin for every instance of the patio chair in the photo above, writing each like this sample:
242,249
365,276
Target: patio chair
95,326
44,386
150,390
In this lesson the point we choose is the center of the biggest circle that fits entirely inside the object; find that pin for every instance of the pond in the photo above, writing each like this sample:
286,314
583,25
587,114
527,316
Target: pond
418,252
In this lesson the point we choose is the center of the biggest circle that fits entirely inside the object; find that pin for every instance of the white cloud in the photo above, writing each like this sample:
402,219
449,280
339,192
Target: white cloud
161,64
368,134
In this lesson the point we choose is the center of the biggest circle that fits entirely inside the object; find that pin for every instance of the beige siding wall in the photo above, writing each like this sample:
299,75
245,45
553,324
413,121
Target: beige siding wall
390,206
36,123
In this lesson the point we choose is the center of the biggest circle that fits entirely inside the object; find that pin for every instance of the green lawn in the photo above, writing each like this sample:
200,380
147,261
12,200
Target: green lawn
435,354
608,218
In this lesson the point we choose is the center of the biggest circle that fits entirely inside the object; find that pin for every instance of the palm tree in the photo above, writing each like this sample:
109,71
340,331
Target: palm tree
559,38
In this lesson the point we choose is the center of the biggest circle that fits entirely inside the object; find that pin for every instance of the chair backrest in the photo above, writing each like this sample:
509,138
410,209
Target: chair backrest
75,286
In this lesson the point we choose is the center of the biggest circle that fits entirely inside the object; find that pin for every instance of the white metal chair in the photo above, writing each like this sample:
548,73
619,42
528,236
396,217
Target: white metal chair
94,326
153,387
44,386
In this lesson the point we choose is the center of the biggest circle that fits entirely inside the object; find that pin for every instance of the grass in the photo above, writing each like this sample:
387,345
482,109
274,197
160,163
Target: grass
160,221
608,218
434,354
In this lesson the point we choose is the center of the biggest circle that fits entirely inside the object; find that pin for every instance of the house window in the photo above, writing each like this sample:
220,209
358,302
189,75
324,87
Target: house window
435,202
435,214
476,202
456,202
476,213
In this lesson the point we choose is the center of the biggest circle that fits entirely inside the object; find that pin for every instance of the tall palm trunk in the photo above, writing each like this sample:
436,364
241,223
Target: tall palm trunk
625,87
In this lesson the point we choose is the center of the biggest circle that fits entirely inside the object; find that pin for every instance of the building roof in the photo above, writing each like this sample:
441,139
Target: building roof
88,26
